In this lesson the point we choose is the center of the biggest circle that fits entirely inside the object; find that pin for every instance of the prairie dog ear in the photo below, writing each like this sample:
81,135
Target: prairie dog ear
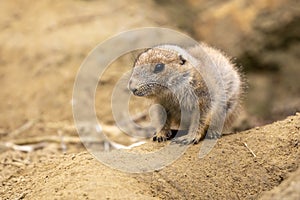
182,60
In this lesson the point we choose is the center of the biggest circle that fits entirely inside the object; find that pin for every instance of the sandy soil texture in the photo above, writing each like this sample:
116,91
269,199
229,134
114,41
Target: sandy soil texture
229,171
42,46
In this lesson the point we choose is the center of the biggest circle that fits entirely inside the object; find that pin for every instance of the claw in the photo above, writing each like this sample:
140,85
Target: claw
159,139
154,138
196,141
169,134
162,137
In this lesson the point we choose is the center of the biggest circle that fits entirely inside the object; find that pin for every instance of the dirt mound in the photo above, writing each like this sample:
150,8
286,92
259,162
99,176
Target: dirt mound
229,171
289,189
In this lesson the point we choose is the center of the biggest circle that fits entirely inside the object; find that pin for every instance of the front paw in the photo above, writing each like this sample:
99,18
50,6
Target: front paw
212,134
162,136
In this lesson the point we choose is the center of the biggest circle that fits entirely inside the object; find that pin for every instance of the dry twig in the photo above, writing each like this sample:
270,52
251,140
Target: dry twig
25,148
249,149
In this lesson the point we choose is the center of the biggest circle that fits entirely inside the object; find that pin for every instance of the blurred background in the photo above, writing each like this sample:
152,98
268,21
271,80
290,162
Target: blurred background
44,42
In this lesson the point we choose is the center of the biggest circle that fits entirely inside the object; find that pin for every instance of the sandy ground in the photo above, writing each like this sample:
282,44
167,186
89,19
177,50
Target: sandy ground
229,171
43,44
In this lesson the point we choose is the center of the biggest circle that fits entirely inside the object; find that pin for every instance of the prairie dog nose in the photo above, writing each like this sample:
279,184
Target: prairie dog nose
132,85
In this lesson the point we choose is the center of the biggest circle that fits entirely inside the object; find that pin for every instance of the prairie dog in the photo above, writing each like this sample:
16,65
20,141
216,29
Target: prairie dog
199,81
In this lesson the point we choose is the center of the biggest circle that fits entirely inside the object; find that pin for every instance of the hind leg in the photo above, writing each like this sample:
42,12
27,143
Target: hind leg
207,129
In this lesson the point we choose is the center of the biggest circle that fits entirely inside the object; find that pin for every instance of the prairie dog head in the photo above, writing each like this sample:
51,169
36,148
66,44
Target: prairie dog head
159,70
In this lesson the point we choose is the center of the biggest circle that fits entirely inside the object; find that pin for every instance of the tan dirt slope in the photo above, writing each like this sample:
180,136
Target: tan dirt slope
229,171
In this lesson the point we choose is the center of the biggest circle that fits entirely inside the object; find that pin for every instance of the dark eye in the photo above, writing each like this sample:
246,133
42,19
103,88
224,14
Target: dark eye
159,67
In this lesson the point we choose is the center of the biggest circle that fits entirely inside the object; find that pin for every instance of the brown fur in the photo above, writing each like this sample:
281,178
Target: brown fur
199,88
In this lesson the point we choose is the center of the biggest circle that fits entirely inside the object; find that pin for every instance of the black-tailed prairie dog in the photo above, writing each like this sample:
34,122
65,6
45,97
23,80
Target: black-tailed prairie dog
199,81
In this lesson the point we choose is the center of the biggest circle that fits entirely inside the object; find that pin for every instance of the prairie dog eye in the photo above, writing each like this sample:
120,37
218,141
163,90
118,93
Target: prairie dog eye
159,67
